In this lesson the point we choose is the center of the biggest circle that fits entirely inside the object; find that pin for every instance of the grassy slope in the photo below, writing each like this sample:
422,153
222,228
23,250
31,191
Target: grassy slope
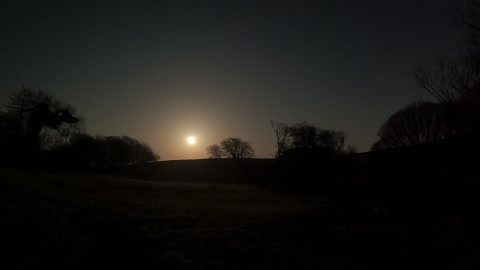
75,221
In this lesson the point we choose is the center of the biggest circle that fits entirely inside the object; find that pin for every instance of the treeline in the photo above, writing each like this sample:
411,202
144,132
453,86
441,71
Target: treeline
38,129
303,140
298,141
99,152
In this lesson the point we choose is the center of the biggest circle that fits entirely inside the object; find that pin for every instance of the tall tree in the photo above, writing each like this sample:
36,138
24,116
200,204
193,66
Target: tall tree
282,133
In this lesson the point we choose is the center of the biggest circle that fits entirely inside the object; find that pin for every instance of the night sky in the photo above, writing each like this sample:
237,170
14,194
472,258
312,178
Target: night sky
160,71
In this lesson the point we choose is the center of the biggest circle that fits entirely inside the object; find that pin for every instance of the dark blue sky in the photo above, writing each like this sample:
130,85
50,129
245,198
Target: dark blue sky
163,70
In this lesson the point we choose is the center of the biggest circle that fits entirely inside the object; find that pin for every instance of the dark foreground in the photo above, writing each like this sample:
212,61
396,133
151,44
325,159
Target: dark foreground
88,221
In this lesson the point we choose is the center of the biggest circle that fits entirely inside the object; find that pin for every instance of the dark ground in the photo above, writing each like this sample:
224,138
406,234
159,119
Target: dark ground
83,220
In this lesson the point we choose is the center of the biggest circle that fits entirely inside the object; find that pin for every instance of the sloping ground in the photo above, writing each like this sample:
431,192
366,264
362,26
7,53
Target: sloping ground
85,221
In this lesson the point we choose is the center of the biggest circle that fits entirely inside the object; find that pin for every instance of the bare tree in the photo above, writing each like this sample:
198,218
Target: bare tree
282,132
237,148
449,80
214,151
457,79
419,122
469,16
455,82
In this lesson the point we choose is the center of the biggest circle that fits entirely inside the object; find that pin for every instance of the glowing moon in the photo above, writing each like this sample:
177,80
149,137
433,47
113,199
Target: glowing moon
191,140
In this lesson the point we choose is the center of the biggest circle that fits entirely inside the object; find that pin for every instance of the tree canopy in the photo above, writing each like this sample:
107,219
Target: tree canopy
306,136
419,122
232,147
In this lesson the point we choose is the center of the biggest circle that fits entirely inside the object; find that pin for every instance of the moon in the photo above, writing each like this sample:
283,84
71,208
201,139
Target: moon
191,140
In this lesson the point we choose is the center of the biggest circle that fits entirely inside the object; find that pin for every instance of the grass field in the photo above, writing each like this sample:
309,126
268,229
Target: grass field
83,221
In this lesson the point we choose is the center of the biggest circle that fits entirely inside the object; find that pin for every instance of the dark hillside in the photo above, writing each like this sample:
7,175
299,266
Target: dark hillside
206,214
217,170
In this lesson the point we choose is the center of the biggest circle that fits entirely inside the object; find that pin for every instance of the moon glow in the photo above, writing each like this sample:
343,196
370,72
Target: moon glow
191,140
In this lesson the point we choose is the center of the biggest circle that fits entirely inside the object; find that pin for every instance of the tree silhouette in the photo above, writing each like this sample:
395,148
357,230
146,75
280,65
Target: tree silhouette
448,80
40,115
419,122
470,17
236,148
124,150
282,132
456,81
98,152
332,139
305,136
214,151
